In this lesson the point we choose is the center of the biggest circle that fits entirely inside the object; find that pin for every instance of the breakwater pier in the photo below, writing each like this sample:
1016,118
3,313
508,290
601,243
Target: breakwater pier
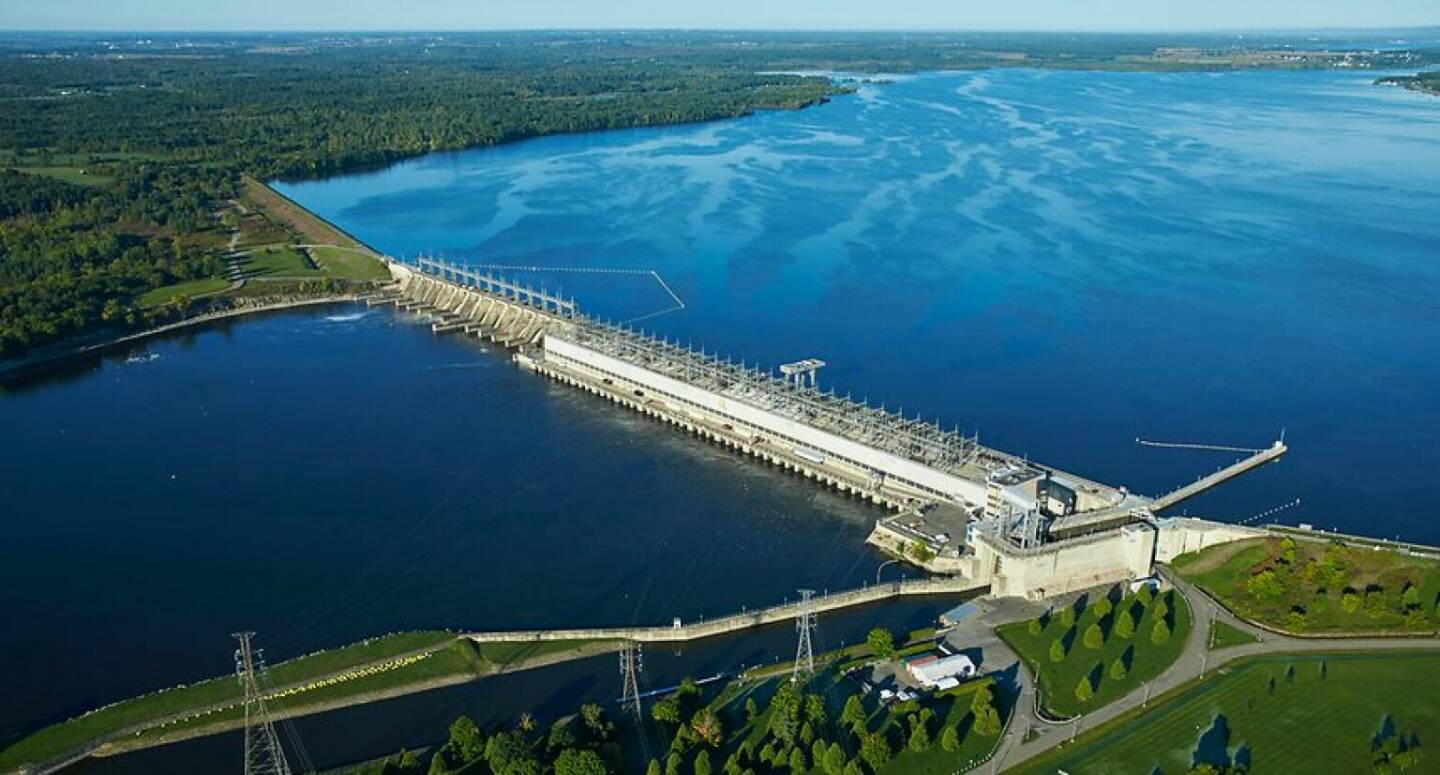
679,632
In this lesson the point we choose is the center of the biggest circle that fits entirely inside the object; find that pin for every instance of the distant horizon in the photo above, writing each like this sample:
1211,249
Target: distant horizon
896,16
784,30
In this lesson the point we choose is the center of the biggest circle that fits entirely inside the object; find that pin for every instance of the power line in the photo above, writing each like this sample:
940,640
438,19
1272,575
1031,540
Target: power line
263,753
292,734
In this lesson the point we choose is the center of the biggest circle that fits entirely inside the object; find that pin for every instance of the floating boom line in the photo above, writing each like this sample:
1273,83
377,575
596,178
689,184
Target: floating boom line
1270,512
679,303
1205,447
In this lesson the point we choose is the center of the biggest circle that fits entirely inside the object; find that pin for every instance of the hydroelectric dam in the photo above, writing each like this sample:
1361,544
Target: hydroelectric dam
963,510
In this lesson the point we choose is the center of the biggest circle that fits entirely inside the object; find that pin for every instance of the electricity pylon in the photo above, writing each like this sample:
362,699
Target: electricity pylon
263,754
804,655
630,656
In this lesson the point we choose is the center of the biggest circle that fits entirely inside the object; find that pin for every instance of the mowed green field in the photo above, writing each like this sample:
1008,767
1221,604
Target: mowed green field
189,289
79,176
277,262
349,264
1284,714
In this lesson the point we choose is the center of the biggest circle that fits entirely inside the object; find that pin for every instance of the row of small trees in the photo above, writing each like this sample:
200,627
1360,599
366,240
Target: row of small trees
1123,620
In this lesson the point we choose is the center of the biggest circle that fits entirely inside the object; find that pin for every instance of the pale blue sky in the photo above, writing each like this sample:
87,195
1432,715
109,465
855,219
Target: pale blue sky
725,14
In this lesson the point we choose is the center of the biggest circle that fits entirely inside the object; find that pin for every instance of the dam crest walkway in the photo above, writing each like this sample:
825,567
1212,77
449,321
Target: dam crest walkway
680,632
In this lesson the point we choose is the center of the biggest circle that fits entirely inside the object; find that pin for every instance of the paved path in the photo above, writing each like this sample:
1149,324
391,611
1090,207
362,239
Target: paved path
976,638
1195,661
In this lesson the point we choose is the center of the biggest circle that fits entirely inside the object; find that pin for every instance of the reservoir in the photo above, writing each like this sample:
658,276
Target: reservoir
1059,261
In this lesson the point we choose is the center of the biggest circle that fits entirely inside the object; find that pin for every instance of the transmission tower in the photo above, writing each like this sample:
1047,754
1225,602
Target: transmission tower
263,754
630,657
804,655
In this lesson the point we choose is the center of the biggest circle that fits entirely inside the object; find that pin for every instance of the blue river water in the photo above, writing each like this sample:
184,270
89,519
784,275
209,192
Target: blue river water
1061,261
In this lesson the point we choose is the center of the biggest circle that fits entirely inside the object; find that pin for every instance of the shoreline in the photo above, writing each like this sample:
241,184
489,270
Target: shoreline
87,344
25,364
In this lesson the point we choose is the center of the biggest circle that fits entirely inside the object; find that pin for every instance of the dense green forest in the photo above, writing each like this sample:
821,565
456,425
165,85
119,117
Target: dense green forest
317,110
73,255
142,137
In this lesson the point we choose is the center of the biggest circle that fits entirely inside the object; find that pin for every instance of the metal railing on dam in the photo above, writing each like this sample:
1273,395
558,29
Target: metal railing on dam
760,617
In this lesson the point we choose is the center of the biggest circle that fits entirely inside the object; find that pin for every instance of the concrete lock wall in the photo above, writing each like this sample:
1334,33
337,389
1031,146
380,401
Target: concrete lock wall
1179,535
954,487
885,537
1067,566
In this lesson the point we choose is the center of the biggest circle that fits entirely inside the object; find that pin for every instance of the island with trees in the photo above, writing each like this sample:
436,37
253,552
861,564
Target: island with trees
1425,83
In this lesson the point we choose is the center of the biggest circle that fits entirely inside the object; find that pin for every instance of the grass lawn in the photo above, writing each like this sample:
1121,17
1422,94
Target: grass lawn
1282,714
504,654
1307,586
276,262
155,297
258,230
311,227
9,157
346,264
457,659
79,176
54,740
1223,635
1144,659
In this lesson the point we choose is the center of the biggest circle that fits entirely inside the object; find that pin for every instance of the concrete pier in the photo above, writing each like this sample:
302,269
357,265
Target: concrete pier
1229,472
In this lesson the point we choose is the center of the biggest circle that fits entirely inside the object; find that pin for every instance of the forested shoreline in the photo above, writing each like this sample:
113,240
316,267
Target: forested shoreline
129,148
73,255
126,163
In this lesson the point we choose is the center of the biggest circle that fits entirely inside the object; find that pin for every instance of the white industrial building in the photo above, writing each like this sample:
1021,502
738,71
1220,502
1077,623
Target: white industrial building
941,672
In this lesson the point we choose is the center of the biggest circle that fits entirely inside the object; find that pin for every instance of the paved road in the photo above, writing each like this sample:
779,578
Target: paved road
1195,660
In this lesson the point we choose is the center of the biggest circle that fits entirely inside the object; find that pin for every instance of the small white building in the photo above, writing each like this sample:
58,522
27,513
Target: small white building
931,673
